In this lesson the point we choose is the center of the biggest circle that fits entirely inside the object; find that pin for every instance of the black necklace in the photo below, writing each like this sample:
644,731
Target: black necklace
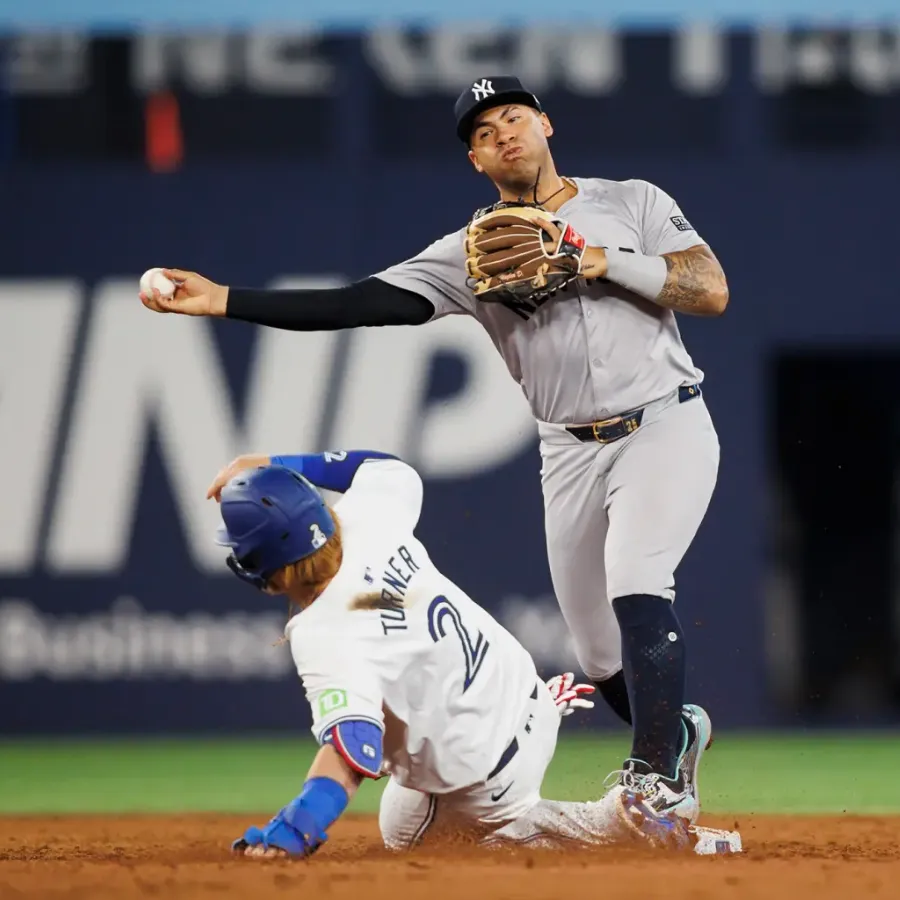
546,199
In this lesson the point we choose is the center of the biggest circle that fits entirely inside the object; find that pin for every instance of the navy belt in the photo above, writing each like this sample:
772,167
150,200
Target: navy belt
609,430
511,750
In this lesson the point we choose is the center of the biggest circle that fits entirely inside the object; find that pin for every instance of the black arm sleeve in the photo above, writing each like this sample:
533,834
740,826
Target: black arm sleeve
367,302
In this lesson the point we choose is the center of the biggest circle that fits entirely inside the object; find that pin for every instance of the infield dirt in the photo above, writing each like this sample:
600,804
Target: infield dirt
187,857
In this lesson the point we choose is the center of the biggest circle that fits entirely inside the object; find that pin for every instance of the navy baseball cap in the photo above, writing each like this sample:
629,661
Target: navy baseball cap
486,93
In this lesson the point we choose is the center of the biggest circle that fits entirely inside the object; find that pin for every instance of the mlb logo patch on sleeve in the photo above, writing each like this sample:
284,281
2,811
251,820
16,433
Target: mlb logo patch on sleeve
681,223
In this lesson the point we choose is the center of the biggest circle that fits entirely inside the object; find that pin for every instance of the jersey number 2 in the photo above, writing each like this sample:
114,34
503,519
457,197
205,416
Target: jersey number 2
439,612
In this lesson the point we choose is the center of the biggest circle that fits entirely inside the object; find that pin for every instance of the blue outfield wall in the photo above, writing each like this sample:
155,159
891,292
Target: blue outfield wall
116,613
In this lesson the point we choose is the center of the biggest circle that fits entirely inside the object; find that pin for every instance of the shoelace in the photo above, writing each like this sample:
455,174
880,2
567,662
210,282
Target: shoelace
647,785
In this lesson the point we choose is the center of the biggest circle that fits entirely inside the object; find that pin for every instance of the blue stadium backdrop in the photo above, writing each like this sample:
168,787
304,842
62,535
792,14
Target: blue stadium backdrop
116,611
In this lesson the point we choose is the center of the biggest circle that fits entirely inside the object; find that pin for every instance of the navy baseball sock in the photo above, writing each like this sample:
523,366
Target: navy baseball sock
614,691
653,660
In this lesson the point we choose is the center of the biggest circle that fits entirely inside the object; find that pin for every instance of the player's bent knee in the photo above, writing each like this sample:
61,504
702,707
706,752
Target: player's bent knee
397,843
405,816
599,655
603,673
628,583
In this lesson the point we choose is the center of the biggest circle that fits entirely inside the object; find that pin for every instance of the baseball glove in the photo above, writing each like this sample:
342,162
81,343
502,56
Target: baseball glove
520,250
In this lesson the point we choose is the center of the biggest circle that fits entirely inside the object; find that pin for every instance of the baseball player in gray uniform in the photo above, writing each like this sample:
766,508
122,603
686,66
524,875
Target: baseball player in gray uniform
630,455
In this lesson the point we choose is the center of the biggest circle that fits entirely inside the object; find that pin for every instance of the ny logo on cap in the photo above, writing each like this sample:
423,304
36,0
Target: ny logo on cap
482,89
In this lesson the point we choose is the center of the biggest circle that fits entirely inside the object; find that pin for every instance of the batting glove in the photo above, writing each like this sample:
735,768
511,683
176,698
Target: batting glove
567,695
297,838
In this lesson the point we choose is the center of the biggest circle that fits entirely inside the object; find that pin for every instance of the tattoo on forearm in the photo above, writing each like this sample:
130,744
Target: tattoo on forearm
694,277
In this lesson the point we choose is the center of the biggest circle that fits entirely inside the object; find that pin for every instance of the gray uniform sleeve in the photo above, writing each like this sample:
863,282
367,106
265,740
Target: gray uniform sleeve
664,229
438,274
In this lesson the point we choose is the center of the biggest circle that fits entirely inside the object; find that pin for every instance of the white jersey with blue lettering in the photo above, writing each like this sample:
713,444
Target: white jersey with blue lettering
469,728
393,641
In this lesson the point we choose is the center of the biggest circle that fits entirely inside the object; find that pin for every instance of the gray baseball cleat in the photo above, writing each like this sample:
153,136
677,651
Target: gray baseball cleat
678,795
698,728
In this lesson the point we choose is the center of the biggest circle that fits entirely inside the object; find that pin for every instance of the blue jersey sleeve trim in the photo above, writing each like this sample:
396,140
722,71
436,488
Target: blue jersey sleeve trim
332,471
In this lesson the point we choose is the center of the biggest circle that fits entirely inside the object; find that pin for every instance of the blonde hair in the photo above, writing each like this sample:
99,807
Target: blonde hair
310,575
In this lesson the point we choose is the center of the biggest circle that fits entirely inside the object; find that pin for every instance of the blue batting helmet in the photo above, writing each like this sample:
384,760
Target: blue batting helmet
272,517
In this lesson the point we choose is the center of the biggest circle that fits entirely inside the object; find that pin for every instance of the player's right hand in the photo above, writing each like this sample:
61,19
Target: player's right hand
247,461
194,295
277,840
292,832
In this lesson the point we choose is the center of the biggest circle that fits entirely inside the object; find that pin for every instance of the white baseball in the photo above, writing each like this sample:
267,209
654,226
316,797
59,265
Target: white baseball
154,278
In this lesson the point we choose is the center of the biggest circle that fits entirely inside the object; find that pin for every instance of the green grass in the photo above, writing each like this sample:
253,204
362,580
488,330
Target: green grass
773,774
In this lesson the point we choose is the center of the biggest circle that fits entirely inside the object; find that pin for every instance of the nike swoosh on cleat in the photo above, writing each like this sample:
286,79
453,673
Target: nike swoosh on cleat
665,807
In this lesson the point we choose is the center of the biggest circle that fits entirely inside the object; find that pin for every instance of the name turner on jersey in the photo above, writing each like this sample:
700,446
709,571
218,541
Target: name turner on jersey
406,675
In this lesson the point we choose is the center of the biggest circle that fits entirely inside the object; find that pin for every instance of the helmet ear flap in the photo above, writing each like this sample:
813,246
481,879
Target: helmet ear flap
249,577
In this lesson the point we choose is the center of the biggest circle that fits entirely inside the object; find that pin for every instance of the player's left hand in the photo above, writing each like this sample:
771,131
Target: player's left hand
567,695
520,250
247,461
278,839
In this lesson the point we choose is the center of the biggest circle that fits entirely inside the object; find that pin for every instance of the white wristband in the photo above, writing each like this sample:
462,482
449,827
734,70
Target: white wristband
642,275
